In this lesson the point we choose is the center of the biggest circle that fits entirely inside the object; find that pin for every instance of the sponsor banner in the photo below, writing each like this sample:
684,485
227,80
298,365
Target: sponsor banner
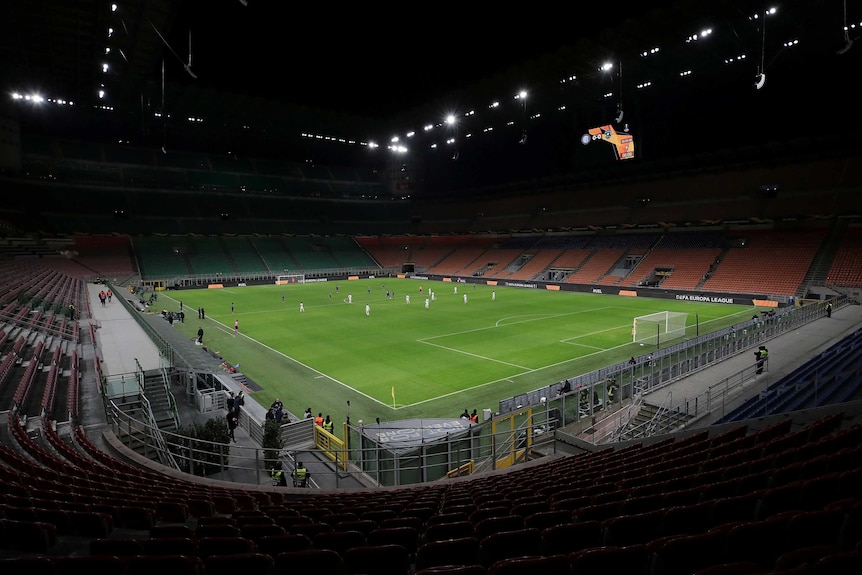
401,276
705,298
419,278
349,278
491,282
521,285
628,292
766,303
215,286
552,287
447,279
315,280
241,284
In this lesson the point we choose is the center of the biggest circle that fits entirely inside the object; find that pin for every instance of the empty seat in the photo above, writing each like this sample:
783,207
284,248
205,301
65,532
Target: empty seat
217,530
237,563
451,530
224,546
407,537
339,541
386,559
544,519
682,554
275,544
507,544
448,517
309,561
547,565
125,547
310,529
170,546
632,560
629,529
460,551
364,526
570,537
255,531
172,531
173,564
498,524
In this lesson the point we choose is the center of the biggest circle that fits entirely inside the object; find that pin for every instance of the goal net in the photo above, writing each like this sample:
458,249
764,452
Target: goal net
290,279
657,327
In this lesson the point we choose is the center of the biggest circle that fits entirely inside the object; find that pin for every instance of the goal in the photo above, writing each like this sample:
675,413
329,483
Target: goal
657,327
290,279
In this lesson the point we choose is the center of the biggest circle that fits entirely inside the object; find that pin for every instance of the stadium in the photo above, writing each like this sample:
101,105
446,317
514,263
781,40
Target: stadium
610,321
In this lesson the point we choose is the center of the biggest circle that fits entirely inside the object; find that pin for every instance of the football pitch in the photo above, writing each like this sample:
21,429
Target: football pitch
431,357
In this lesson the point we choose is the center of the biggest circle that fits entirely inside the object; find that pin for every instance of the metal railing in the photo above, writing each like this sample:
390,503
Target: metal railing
367,464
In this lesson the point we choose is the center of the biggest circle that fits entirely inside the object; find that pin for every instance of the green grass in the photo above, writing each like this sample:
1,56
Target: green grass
438,361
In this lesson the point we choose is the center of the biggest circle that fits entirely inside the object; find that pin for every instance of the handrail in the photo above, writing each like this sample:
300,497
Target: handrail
165,455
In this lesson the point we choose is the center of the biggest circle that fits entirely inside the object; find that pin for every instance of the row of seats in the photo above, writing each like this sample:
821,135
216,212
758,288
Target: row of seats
619,497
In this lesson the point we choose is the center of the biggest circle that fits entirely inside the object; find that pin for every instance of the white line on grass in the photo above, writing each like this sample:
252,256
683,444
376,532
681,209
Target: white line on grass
452,349
320,374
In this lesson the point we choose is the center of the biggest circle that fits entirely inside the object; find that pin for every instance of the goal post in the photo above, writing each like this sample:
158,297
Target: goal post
289,279
656,327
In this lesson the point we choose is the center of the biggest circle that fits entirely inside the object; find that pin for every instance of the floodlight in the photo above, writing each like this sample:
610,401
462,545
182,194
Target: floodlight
761,80
619,117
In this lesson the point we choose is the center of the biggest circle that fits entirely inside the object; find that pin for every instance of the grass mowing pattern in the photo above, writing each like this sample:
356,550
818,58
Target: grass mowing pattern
440,360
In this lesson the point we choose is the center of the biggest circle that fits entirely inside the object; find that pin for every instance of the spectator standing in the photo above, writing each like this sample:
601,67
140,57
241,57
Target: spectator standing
829,309
300,475
279,478
240,400
319,419
200,340
236,327
232,422
328,424
761,354
308,414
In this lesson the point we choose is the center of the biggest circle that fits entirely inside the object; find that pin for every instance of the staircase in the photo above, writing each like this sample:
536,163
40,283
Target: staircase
161,400
819,268
652,420
154,405
712,268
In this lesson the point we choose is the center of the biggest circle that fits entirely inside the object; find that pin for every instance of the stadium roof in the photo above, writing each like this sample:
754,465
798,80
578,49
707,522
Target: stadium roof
262,77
